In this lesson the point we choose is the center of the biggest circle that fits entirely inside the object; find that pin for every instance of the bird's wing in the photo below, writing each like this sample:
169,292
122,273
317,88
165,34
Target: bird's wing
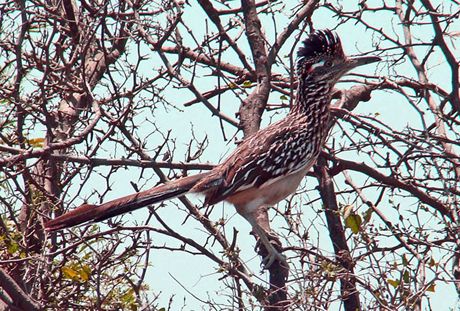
275,151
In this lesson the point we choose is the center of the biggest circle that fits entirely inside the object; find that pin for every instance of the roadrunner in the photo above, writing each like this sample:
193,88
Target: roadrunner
268,165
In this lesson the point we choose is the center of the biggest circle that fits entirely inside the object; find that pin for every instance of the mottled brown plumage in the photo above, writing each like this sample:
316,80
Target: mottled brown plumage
268,165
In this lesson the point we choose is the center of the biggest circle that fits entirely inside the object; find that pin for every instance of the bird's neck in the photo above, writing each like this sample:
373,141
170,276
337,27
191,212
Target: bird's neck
312,98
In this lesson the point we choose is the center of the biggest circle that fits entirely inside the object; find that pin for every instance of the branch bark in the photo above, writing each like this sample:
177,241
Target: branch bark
349,293
20,298
253,106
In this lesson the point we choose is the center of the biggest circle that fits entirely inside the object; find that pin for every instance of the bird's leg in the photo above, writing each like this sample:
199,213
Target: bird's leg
273,253
263,232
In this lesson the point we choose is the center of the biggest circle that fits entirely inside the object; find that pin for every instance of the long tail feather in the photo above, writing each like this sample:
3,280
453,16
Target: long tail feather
90,212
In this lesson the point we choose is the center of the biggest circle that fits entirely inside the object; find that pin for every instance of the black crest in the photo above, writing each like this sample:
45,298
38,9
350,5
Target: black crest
320,42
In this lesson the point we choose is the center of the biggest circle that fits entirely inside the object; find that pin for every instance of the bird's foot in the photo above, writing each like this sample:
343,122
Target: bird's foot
271,249
274,255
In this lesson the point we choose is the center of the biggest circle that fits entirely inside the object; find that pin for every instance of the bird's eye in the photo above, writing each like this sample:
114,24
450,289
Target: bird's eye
328,63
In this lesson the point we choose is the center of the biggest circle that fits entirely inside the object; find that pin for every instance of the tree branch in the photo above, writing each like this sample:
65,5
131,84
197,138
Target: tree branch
349,293
19,297
390,181
253,106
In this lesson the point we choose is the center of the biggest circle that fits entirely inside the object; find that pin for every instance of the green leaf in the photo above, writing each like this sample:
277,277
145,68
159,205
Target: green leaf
353,221
128,297
13,247
404,261
329,268
247,84
4,101
394,283
406,276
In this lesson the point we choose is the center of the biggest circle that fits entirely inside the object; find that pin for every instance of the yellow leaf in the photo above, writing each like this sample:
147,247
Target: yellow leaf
232,85
394,283
85,273
77,273
36,142
69,273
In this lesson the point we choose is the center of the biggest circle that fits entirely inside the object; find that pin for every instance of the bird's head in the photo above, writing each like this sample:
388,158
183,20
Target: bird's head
321,58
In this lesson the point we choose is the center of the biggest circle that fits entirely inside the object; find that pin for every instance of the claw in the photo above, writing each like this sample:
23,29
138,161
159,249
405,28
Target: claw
273,255
269,240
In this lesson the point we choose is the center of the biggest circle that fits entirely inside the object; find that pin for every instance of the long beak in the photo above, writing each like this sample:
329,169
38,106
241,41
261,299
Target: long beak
359,61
